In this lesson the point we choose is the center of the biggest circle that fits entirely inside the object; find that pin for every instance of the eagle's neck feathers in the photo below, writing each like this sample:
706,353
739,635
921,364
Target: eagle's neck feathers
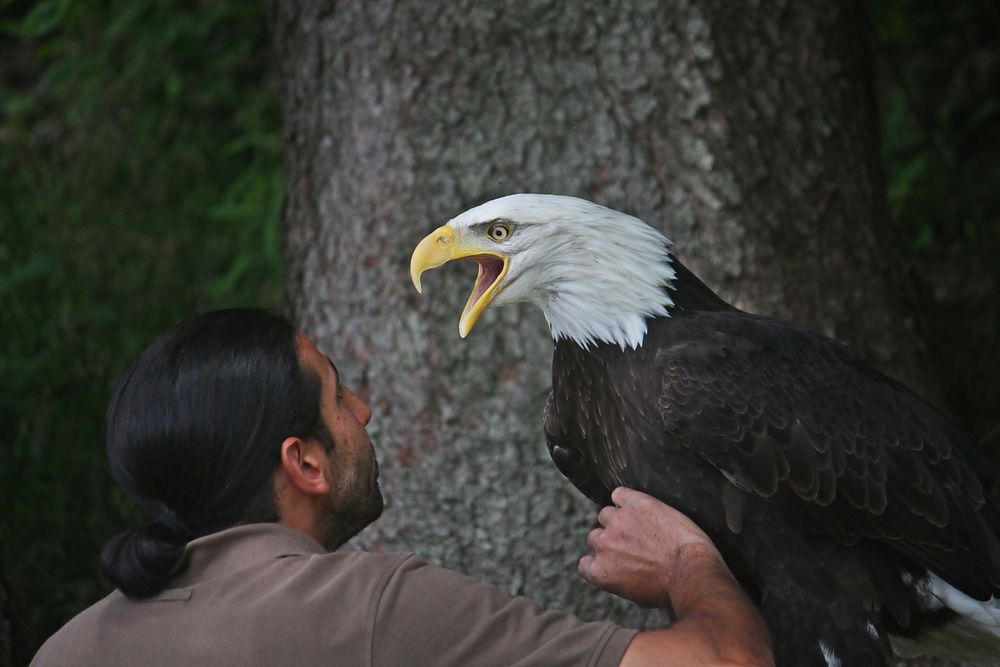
609,307
596,274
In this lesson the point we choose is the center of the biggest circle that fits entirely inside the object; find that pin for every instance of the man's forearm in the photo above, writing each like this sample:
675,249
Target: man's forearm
707,599
716,622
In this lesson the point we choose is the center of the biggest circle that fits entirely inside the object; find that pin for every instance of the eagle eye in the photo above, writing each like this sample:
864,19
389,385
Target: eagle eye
498,231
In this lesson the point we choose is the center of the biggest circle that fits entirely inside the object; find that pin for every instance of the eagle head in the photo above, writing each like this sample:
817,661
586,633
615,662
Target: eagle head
596,273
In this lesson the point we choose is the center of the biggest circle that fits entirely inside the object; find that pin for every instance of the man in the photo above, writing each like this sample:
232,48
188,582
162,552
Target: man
242,439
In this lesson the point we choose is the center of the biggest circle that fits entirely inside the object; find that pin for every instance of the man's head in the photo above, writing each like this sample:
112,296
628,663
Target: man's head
229,418
330,493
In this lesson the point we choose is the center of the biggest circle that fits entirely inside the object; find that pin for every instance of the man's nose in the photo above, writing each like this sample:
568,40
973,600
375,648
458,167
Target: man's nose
361,410
365,413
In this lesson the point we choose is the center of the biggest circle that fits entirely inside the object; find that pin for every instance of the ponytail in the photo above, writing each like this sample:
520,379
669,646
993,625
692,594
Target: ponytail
140,561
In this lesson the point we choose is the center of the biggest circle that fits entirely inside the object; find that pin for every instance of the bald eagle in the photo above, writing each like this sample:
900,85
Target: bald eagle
855,514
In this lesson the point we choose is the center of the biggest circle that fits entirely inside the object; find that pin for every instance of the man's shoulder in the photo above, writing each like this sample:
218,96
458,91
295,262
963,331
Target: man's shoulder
78,632
288,582
355,574
266,554
361,563
359,558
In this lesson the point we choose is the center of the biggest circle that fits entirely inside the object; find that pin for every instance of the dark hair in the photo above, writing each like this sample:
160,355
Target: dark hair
194,434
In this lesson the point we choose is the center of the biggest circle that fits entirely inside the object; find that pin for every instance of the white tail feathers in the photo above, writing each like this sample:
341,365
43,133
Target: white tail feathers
974,636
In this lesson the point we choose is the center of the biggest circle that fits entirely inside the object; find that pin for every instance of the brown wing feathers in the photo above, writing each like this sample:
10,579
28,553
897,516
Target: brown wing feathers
774,407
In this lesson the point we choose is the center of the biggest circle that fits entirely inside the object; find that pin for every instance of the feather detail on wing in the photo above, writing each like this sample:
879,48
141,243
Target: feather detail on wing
788,415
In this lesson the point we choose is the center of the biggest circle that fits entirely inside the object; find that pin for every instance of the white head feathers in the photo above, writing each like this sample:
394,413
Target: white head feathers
596,273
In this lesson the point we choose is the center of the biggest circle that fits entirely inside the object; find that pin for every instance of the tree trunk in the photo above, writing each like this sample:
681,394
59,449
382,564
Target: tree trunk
745,131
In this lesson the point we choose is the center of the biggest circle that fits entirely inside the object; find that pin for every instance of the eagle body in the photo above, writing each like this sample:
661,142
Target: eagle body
854,514
787,452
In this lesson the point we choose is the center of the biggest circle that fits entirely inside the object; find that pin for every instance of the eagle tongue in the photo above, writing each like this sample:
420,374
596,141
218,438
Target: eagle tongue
489,269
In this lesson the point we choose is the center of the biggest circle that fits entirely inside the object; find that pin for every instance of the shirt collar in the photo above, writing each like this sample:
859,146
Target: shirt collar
236,548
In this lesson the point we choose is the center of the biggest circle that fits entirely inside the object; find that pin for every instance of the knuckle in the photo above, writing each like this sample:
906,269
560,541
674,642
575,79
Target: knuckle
594,536
605,515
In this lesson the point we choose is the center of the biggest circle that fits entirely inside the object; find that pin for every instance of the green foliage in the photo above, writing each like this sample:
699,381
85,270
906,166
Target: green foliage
940,76
939,87
140,182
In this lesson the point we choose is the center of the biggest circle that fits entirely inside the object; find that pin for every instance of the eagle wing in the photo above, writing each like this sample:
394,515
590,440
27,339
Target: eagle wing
570,460
790,415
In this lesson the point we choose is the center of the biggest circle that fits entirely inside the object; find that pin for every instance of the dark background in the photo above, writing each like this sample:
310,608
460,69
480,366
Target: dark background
140,181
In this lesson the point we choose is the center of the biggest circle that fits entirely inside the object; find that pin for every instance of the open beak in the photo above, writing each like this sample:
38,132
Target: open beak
440,247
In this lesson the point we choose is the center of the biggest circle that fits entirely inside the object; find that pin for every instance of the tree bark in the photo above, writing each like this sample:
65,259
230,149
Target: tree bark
745,131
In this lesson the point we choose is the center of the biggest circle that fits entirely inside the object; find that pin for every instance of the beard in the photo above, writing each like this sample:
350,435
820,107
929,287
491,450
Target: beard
348,511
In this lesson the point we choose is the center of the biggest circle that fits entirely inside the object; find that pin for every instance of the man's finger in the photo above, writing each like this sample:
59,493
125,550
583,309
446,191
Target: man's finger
623,495
592,572
604,516
592,538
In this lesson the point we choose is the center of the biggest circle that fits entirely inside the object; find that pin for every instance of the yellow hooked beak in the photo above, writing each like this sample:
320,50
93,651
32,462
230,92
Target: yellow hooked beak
440,247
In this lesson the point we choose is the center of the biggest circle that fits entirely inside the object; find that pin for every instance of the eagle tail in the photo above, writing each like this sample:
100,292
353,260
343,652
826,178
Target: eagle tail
971,633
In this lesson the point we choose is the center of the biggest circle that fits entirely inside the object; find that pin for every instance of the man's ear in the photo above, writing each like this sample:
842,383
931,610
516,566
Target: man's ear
306,465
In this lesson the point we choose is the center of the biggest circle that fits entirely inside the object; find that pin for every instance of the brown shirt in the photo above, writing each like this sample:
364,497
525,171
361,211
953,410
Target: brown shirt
265,594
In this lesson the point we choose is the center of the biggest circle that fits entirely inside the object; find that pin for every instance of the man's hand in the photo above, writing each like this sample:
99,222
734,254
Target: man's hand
640,547
652,554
